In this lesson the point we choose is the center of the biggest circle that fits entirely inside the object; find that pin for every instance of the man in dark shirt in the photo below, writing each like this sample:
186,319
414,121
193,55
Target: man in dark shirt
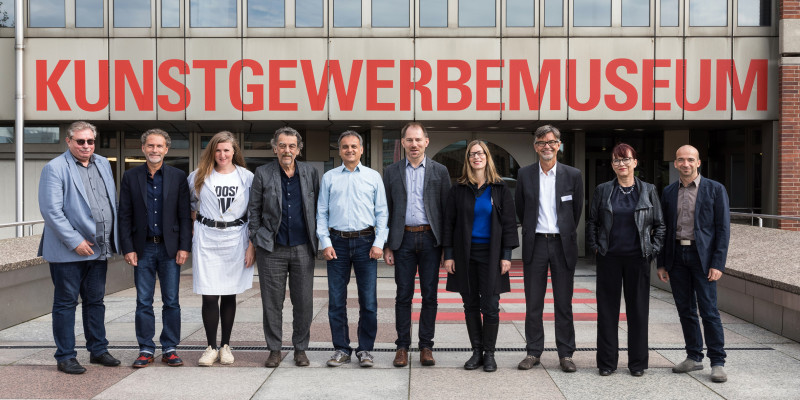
283,203
156,236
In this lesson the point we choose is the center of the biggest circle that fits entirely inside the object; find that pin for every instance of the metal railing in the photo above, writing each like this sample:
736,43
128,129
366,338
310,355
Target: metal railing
30,225
761,217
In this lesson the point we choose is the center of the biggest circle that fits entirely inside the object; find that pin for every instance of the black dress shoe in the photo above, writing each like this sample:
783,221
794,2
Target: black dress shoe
105,359
71,366
605,372
637,373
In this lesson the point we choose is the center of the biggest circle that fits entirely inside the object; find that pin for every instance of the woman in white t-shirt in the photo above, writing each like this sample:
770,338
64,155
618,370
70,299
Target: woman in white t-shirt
222,255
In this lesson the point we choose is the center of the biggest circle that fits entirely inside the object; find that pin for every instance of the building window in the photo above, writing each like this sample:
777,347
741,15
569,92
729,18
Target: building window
46,14
308,13
6,14
212,13
32,135
591,13
755,13
553,12
89,13
390,13
476,13
669,12
131,13
265,13
433,13
170,14
346,13
708,12
520,13
635,12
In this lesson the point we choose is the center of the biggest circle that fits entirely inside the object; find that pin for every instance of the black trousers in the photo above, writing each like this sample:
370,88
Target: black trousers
481,298
631,276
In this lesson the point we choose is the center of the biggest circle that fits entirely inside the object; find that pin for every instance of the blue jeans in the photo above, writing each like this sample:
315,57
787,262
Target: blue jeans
86,279
417,249
692,290
353,253
153,261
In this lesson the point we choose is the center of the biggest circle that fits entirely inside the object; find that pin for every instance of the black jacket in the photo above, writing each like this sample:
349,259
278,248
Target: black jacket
457,234
648,217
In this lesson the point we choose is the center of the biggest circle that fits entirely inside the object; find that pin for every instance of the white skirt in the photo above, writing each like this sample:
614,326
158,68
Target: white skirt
218,260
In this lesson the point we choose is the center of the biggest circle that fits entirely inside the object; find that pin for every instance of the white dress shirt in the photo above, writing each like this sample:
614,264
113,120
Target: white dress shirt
548,217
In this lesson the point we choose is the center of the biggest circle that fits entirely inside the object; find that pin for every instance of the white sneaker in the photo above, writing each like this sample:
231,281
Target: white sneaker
209,356
225,355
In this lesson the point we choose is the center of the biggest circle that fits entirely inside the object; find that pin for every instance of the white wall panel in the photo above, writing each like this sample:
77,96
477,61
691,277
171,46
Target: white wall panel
7,79
701,86
552,50
378,64
668,106
617,65
521,56
757,54
463,55
171,82
133,77
281,101
201,55
56,55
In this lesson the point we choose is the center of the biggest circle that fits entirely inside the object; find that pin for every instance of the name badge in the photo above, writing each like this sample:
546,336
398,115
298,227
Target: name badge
566,198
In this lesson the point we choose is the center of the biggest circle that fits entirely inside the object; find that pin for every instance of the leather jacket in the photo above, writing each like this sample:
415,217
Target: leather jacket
648,216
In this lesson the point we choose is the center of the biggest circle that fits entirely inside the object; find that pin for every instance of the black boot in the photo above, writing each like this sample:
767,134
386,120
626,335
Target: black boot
474,329
489,340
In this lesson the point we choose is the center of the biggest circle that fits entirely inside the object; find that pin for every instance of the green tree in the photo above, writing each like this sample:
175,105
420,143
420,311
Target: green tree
3,16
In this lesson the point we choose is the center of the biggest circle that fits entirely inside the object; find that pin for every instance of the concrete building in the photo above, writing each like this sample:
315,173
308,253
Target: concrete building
722,75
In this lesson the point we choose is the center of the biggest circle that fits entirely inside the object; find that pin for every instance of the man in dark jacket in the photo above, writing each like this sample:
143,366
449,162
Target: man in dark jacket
155,233
283,203
697,214
416,192
549,200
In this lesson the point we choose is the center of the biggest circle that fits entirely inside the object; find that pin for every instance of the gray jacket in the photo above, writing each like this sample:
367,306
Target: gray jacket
648,217
264,210
435,189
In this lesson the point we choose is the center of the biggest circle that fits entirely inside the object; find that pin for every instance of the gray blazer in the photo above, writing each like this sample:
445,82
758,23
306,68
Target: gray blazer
434,194
65,209
264,210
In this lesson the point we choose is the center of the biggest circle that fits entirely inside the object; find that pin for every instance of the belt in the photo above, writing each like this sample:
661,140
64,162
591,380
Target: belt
684,242
354,234
154,239
221,224
420,228
548,235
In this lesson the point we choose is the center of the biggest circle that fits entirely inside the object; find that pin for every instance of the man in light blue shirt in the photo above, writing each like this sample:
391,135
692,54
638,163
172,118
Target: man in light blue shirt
351,225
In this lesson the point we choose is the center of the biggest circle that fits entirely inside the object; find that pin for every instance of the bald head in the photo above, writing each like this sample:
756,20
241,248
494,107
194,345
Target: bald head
687,161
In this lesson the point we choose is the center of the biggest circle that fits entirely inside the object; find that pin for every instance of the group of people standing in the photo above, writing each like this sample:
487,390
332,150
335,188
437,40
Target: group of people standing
412,217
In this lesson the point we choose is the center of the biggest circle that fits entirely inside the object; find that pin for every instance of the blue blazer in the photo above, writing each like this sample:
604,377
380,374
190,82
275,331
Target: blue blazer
65,209
712,224
176,219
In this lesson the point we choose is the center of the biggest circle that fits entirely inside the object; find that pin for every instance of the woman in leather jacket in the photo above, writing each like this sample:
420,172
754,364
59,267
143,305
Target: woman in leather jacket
625,229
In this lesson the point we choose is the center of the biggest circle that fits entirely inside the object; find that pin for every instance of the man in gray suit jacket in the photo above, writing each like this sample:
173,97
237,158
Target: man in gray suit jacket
283,225
77,202
549,201
416,193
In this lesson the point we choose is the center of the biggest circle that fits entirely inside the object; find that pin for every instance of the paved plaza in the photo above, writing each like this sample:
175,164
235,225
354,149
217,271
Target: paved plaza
760,364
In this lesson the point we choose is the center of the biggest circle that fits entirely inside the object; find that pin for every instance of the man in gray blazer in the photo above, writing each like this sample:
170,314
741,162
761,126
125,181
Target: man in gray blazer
78,204
282,221
416,193
549,201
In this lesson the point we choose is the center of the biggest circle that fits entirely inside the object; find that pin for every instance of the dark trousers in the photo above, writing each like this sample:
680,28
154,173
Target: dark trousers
417,252
692,290
481,298
353,254
548,253
615,276
86,279
154,261
296,263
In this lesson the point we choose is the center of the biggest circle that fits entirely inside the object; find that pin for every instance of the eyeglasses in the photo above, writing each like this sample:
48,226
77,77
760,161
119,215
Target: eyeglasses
477,154
622,161
81,142
283,146
551,143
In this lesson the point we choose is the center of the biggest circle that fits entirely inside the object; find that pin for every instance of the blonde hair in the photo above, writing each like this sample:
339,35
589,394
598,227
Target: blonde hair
468,173
207,160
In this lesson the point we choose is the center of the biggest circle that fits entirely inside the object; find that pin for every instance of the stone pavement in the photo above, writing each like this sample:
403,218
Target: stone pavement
760,364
